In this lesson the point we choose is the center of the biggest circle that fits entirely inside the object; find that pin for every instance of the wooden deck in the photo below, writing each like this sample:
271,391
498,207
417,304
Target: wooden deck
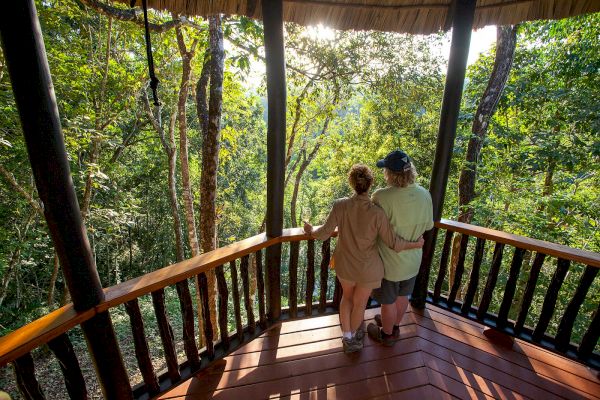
440,356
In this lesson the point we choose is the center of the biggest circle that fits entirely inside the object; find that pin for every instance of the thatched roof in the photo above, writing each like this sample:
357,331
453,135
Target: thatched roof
410,16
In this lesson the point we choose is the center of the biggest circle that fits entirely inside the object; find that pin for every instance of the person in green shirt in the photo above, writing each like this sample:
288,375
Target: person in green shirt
408,207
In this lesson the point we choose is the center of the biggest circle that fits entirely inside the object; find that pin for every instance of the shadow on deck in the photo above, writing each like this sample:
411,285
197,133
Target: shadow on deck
440,355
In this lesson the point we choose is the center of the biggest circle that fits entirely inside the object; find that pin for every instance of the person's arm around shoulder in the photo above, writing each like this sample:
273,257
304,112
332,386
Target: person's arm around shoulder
393,241
324,231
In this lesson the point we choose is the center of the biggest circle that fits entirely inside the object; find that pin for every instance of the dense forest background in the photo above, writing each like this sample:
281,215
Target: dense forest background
352,97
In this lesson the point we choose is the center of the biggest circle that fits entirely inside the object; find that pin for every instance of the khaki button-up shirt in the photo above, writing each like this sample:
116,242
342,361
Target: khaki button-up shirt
359,224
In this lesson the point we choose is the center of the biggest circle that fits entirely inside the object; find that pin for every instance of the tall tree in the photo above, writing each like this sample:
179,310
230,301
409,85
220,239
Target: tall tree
505,51
168,144
211,129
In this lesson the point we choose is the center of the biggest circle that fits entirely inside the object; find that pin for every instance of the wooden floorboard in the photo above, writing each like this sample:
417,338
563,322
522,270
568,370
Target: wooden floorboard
476,380
560,382
538,357
439,356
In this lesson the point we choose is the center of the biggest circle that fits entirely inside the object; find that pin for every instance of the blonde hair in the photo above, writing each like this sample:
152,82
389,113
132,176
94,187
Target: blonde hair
402,178
360,178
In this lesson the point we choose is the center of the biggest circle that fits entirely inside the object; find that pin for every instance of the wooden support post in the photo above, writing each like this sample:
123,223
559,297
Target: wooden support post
25,55
462,24
272,11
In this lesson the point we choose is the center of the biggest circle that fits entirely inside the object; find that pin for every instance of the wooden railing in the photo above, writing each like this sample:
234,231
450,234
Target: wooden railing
513,312
231,264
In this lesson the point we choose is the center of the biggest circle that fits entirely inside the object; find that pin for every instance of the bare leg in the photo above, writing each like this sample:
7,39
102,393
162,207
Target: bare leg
346,305
360,298
401,305
388,317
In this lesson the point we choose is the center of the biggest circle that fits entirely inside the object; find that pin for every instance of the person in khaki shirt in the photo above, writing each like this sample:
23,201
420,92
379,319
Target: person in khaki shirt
357,262
409,209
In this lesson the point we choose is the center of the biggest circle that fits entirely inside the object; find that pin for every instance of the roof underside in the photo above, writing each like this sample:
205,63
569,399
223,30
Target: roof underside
408,16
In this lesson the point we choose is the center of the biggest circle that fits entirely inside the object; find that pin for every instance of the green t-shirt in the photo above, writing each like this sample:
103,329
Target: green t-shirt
410,212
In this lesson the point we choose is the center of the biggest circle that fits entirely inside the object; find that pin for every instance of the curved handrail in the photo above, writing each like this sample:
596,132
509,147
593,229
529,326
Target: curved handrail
52,325
557,250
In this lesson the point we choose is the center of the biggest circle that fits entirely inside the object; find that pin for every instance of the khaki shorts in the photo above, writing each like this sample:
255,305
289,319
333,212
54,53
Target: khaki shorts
365,285
389,290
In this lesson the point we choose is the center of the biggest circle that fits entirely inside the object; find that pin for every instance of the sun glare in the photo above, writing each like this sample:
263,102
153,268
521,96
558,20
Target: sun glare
320,32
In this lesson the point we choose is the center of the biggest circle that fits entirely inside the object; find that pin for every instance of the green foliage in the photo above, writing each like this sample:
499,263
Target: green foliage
355,95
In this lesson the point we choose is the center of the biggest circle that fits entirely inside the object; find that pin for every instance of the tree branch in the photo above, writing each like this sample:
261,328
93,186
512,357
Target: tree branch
36,205
136,15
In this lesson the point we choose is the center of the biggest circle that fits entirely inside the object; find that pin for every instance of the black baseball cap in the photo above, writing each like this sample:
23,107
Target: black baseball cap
396,161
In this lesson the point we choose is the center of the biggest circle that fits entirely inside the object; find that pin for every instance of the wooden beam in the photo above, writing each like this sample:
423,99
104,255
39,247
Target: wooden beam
276,92
462,24
25,55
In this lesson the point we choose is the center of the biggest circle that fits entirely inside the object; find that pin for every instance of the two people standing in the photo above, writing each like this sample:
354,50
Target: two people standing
379,245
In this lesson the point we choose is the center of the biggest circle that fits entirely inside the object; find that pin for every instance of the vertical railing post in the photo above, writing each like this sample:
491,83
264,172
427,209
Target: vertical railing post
272,11
462,24
25,55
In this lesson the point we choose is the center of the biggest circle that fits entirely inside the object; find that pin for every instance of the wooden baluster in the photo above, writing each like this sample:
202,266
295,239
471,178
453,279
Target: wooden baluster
490,283
208,328
26,381
474,278
246,286
565,328
337,294
223,299
443,266
63,350
142,351
562,267
310,277
421,289
325,257
591,336
166,334
236,300
529,291
260,283
293,293
460,268
187,316
511,285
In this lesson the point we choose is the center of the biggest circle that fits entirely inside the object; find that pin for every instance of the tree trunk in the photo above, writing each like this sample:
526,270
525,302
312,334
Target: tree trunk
171,152
297,114
306,162
98,127
505,50
15,259
188,200
210,155
172,155
53,281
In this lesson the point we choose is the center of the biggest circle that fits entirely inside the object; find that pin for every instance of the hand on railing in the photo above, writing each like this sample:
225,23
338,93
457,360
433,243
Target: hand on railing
308,228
